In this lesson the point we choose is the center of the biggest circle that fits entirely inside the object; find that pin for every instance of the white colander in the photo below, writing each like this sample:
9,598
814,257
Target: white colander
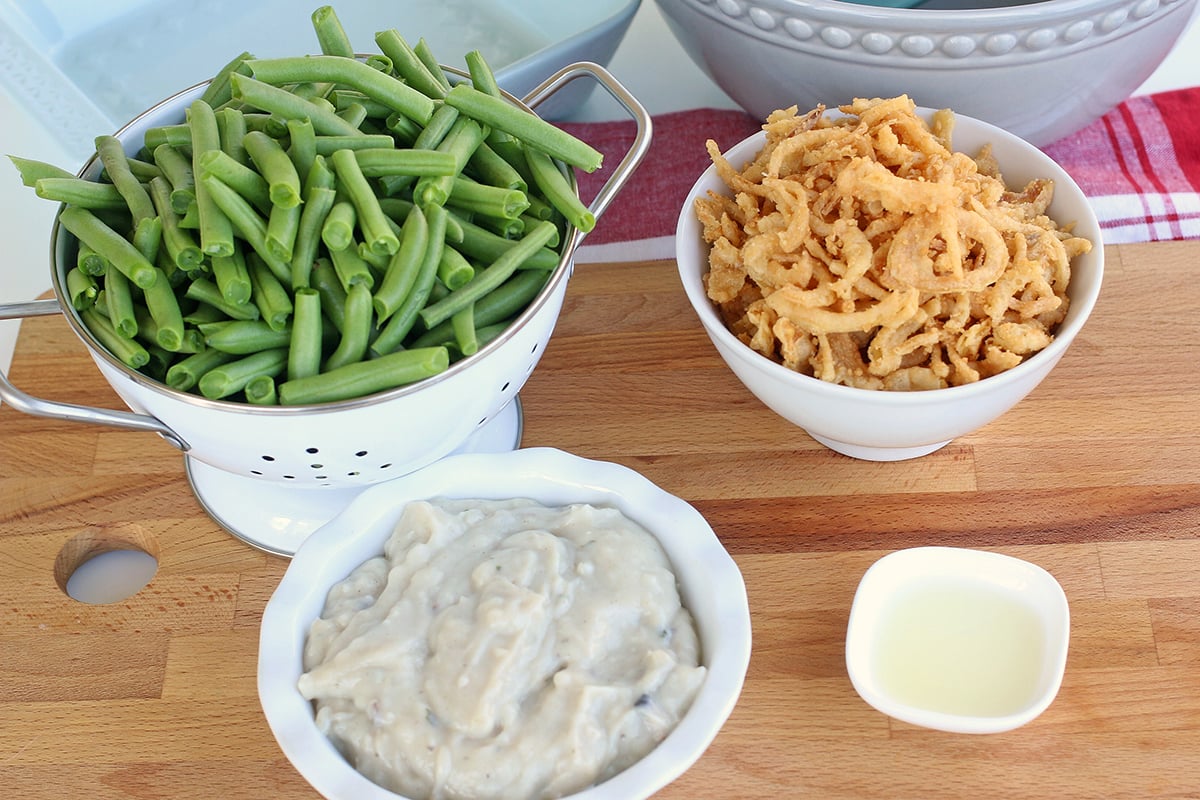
336,445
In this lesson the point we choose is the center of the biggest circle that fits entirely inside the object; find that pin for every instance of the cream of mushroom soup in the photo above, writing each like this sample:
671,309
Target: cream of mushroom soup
503,649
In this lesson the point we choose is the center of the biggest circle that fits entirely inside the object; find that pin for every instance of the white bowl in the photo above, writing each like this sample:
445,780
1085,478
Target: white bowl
711,587
891,425
1041,70
966,641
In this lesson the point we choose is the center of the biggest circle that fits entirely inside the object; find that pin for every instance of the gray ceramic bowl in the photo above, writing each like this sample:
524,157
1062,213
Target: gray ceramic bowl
1041,70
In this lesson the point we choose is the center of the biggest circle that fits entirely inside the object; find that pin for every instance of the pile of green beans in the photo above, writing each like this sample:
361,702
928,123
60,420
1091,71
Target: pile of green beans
319,227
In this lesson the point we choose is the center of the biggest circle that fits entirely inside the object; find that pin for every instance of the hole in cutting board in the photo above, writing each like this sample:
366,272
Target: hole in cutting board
106,564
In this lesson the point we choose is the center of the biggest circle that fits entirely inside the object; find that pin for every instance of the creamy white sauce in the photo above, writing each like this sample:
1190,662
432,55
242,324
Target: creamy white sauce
503,649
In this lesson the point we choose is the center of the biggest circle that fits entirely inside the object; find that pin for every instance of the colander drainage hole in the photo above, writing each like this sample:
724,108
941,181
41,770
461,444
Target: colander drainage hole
106,564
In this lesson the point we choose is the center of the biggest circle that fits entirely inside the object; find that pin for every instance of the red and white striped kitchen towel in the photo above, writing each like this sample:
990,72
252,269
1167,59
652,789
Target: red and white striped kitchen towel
1139,165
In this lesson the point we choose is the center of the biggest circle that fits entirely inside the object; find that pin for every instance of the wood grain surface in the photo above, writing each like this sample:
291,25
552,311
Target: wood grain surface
1095,476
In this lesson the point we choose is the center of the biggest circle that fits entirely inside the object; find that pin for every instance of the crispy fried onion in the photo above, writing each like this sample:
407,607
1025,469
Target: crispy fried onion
864,250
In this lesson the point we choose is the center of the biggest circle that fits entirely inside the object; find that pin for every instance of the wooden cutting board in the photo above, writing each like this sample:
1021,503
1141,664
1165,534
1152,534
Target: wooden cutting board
1095,476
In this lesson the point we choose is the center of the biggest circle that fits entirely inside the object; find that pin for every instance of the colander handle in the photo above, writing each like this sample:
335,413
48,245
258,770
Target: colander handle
29,404
641,142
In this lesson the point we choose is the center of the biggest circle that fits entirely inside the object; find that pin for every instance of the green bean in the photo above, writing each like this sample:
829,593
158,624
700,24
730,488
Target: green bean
164,309
403,129
239,177
402,270
118,298
463,139
275,100
465,336
337,232
365,377
437,129
142,170
530,221
89,261
177,135
191,340
205,291
218,90
318,202
327,145
333,294
488,166
378,262
148,334
331,36
32,170
114,247
511,152
398,326
376,162
203,313
454,270
356,329
320,174
273,300
244,336
491,201
351,268
260,391
248,223
508,229
231,377
117,165
371,220
421,48
539,208
355,114
482,77
530,129
488,279
344,98
302,146
147,238
282,227
485,247
180,245
558,191
304,349
128,351
386,89
276,168
179,175
232,277
216,230
80,192
185,374
232,129
81,288
408,65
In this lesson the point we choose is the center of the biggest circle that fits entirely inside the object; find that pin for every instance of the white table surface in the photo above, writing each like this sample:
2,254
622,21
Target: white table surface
649,63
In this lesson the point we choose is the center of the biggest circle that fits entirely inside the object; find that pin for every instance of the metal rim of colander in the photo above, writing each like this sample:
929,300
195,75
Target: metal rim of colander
57,274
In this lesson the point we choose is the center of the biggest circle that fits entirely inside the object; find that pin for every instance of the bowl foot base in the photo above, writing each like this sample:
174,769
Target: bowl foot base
276,518
878,453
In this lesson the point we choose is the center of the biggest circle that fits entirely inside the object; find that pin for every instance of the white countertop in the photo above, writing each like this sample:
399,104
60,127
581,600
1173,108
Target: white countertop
649,63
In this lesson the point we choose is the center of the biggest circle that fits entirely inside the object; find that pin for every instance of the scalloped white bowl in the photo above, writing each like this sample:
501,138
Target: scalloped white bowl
877,425
710,584
1040,70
